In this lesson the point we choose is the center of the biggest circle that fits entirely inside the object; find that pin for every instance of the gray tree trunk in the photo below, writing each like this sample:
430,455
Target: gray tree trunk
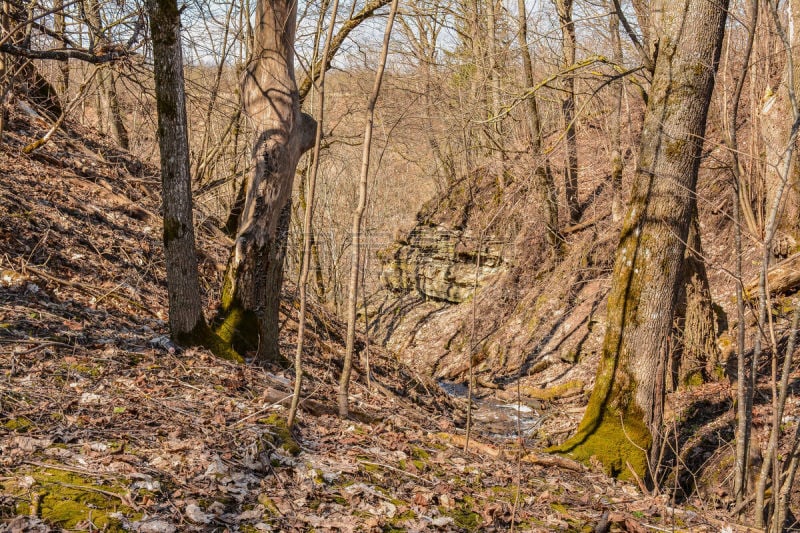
623,420
185,307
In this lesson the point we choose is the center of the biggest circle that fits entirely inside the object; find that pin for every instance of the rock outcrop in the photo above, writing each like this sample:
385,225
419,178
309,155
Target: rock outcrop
441,263
475,276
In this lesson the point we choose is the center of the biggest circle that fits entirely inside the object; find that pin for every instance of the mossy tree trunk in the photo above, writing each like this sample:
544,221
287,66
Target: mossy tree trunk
251,293
623,420
185,306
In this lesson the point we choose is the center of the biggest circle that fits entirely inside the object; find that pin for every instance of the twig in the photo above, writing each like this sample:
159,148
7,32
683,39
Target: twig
44,344
409,474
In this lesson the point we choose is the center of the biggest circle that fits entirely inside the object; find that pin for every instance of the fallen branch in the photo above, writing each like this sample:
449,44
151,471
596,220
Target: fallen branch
545,459
782,278
586,224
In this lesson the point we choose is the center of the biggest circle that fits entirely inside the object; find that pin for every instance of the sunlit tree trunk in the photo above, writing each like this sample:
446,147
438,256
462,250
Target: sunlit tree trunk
568,44
544,185
623,421
251,291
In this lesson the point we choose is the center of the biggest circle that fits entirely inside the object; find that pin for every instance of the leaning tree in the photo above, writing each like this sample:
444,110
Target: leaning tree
282,133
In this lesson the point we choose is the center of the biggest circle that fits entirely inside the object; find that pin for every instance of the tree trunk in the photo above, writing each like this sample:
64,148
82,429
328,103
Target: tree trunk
543,184
699,355
185,306
617,203
111,101
564,8
358,214
623,420
251,293
107,99
60,28
777,120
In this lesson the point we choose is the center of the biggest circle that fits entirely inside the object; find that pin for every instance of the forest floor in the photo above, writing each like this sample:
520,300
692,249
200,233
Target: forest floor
106,425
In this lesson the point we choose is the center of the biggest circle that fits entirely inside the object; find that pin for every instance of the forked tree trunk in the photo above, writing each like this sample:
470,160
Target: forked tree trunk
623,420
251,291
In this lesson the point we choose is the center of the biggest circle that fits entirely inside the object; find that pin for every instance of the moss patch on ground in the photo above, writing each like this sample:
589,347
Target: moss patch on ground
69,500
620,447
282,435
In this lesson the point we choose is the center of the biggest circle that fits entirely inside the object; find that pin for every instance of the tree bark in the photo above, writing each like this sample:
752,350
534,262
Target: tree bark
623,420
251,292
699,355
185,306
544,185
564,8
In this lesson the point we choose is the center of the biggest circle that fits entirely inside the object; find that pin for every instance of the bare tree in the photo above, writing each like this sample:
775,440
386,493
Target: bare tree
186,319
352,296
307,220
543,184
569,45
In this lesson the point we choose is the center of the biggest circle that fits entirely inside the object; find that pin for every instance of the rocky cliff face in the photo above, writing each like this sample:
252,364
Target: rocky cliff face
441,263
475,276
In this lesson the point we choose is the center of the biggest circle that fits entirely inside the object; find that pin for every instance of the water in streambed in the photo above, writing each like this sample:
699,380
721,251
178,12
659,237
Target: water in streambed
495,418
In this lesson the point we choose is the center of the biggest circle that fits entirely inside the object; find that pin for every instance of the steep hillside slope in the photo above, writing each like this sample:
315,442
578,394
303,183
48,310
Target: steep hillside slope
106,425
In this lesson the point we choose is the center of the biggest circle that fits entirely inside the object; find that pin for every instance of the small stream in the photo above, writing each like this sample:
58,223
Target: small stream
495,418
